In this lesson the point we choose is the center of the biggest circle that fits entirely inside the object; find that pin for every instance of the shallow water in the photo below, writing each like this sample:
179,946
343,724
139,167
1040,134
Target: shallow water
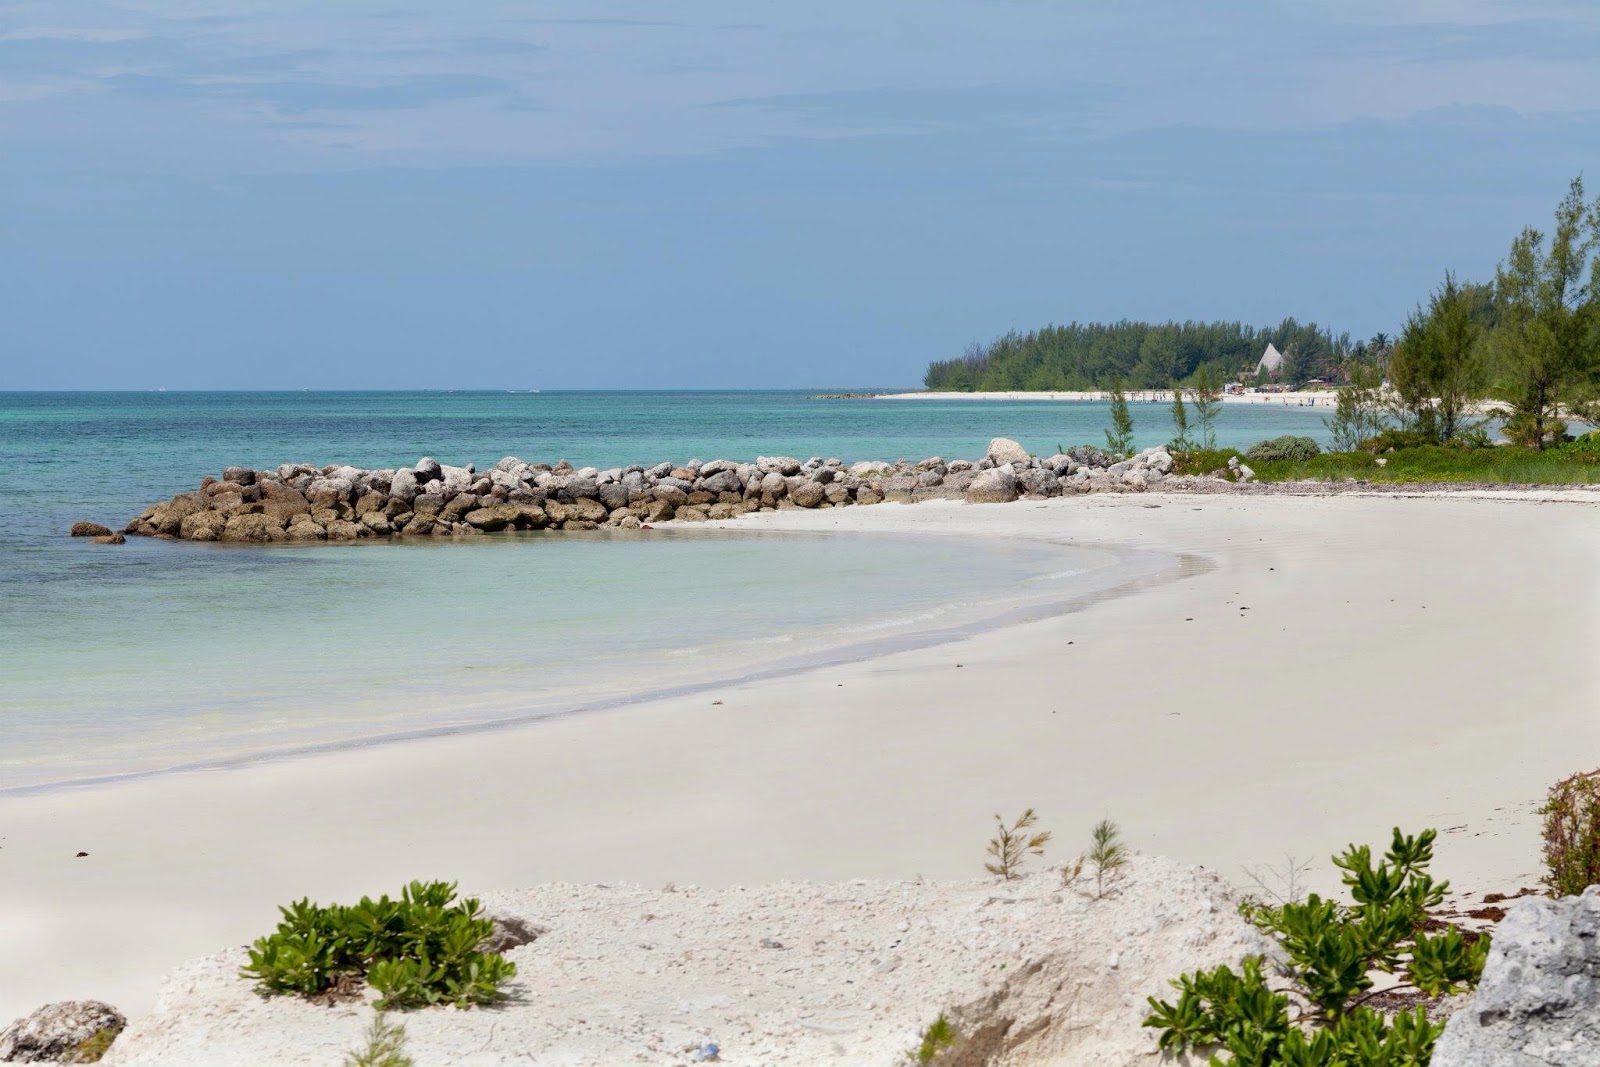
156,654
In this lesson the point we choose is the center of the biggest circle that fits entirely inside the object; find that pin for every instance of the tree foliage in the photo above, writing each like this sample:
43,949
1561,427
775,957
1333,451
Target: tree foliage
1437,368
1140,354
1319,1017
1547,346
1572,835
1119,438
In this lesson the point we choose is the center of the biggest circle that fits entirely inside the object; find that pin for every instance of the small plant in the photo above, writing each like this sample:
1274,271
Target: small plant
1207,400
421,949
1572,835
1119,439
1321,1018
1107,853
1279,885
939,1038
1012,845
385,1047
1181,441
93,1048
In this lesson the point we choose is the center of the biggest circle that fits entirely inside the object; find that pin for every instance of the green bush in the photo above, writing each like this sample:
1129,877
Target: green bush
1391,440
421,949
1285,447
1320,1018
1572,835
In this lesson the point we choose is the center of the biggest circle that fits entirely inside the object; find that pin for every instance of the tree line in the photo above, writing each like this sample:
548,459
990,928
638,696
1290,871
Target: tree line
1139,355
1529,339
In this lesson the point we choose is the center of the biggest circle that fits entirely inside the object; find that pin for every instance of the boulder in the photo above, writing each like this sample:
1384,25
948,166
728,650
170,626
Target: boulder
70,1031
998,485
203,526
586,510
239,475
109,539
308,530
1003,450
403,486
256,528
669,493
784,465
1039,482
865,494
343,530
1160,459
807,494
89,529
1538,1003
722,481
428,470
493,518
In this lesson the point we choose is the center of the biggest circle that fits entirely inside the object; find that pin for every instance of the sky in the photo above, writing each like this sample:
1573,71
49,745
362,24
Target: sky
497,194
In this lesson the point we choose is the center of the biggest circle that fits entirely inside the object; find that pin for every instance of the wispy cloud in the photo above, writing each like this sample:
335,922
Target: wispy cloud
298,97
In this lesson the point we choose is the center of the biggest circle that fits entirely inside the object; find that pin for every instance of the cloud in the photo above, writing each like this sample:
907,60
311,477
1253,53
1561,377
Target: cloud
1544,40
899,107
298,97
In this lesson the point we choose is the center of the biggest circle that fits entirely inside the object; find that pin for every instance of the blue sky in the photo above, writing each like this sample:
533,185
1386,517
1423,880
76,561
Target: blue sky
613,195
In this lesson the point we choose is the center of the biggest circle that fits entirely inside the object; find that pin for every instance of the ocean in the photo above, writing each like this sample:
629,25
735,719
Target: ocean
155,655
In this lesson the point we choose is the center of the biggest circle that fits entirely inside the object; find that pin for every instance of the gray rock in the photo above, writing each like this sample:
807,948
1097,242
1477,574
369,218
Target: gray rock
995,486
784,465
455,479
867,467
1538,1004
722,480
1039,482
1245,473
57,1033
1161,460
1004,450
428,469
403,486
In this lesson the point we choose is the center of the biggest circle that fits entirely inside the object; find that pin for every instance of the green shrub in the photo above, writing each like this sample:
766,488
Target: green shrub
1320,1019
418,950
1391,440
1285,447
1202,460
1011,846
1572,835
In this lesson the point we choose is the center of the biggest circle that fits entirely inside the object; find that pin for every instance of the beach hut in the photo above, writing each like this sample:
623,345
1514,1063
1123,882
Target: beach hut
1271,360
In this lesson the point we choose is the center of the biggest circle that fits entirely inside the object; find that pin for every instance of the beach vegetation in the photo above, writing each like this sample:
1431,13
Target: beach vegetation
1107,854
1313,1008
1546,346
421,949
1180,424
938,1041
1286,447
385,1045
1438,368
1206,391
1119,438
1572,835
1011,845
1359,413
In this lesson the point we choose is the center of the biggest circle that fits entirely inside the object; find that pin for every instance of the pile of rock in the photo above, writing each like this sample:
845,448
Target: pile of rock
299,502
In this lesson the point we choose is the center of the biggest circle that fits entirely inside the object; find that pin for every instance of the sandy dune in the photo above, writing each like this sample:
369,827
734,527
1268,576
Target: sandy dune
1337,666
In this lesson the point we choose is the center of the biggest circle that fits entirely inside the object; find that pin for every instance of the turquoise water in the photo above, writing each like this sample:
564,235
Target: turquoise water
156,654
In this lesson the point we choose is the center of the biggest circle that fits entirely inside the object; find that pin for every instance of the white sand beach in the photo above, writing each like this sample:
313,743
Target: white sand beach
1332,668
1315,398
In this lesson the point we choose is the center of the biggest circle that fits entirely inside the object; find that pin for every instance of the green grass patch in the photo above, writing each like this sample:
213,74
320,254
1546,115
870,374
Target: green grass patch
1503,465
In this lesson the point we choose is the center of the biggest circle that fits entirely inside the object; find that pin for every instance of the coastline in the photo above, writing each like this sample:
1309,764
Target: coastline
1326,399
1318,696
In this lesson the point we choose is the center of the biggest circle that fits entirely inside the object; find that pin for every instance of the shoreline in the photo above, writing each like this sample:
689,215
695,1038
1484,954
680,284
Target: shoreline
1320,399
1226,719
1127,573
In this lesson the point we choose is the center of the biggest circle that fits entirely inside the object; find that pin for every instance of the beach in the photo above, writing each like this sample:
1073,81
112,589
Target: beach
1312,399
1326,668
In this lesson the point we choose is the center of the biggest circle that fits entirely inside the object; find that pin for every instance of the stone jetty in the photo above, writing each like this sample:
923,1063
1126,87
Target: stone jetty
299,502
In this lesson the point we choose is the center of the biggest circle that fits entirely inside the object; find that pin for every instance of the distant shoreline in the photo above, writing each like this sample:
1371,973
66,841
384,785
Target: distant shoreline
1135,396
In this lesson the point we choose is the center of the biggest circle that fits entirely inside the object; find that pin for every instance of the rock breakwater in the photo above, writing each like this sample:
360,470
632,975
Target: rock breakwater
300,502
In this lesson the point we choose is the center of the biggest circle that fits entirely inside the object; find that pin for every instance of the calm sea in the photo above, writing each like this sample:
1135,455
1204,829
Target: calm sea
153,655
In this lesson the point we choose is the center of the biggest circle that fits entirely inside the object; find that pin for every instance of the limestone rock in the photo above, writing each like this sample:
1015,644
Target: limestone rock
1004,450
61,1033
89,529
998,485
807,494
1538,1004
109,539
